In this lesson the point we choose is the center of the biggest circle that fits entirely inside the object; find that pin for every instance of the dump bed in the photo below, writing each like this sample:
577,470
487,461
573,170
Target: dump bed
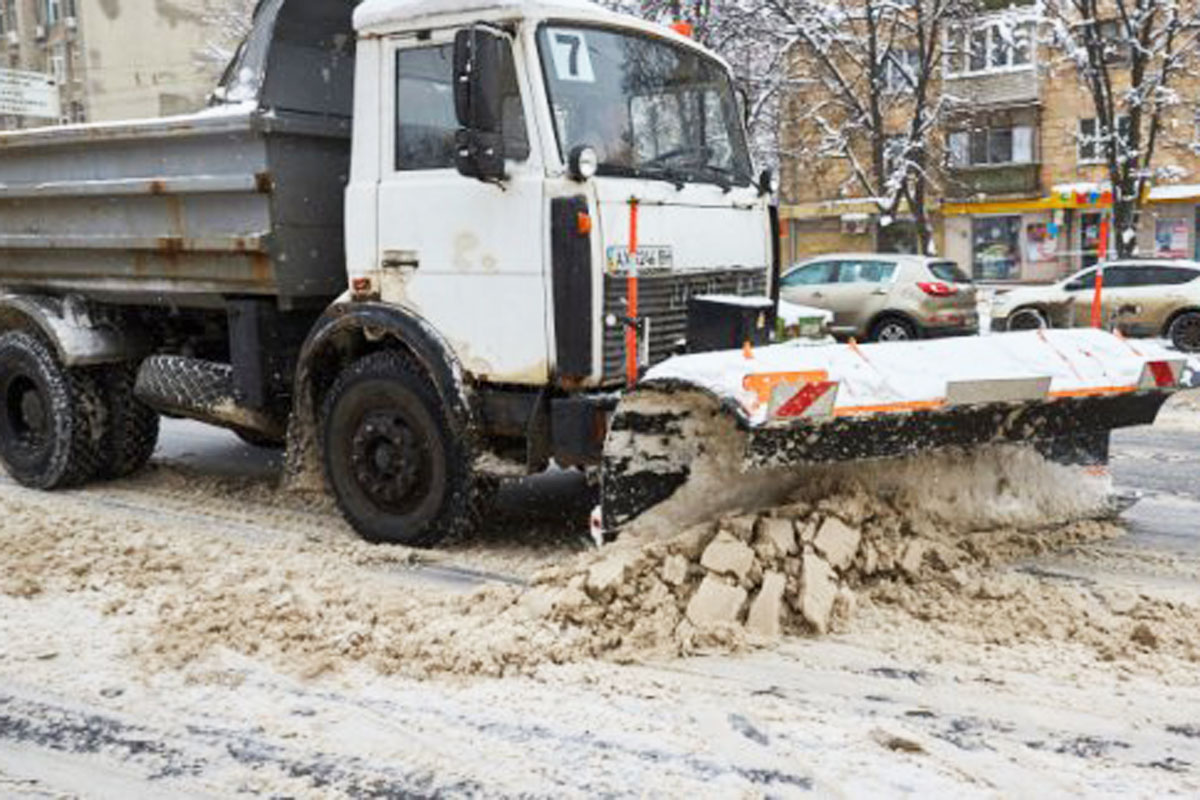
242,199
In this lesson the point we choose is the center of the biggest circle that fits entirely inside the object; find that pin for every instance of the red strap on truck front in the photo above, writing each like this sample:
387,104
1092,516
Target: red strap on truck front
631,299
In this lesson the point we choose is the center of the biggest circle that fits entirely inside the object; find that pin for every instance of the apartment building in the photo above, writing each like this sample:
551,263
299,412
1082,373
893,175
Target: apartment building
1023,190
111,59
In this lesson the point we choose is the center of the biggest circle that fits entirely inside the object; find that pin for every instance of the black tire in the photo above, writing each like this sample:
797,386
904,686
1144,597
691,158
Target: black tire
52,419
1185,332
203,390
182,385
132,431
400,464
1027,319
893,329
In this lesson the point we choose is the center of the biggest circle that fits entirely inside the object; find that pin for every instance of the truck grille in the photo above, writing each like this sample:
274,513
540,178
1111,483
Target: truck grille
663,299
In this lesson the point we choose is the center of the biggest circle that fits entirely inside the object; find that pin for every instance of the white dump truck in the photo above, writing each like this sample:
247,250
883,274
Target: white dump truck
425,239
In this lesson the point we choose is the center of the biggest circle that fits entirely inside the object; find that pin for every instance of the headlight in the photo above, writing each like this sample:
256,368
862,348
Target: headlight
583,163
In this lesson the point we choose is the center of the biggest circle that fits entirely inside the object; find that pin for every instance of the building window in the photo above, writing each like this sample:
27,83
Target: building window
1092,137
982,146
1089,238
58,65
989,46
8,17
995,248
900,71
52,11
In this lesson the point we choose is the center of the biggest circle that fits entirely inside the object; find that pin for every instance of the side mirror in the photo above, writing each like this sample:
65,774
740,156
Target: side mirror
1074,286
479,61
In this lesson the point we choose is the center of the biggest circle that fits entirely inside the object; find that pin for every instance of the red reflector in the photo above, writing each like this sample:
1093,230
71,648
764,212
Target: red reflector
938,289
1164,376
583,223
360,285
804,398
682,28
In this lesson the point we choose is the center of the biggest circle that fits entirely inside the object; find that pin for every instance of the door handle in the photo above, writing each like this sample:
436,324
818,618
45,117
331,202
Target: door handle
880,291
817,294
399,259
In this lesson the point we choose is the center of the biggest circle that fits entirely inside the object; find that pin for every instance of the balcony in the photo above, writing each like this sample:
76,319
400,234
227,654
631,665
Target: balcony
994,179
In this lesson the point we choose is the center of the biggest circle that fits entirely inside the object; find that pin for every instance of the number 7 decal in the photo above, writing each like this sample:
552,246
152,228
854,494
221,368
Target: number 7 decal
571,59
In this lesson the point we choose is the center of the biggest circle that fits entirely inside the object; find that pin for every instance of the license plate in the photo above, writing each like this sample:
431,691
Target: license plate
649,257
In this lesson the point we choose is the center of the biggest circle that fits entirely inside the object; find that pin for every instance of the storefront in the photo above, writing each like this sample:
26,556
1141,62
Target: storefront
1028,247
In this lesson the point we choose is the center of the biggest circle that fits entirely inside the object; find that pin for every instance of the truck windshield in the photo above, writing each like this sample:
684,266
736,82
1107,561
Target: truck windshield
649,108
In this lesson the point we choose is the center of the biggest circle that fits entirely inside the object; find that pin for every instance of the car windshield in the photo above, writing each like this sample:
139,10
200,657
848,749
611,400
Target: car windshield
648,107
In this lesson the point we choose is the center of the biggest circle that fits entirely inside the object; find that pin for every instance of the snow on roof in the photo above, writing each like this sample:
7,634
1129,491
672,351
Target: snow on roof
1182,191
378,13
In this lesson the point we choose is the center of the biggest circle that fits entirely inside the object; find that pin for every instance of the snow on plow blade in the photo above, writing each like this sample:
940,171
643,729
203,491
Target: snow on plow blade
697,425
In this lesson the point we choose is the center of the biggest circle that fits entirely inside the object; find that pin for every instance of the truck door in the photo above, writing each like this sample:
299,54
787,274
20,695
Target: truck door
464,255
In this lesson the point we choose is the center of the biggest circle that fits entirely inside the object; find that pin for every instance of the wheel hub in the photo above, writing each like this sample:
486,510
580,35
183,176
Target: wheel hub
27,412
1188,337
390,461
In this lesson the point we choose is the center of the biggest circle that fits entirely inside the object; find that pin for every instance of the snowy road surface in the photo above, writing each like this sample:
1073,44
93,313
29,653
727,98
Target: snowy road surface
91,707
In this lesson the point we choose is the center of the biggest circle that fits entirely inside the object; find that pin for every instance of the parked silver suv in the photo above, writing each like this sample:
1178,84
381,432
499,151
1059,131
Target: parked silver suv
886,297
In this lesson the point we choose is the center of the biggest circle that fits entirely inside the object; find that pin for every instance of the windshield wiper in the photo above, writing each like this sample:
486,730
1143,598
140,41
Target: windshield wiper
675,177
720,176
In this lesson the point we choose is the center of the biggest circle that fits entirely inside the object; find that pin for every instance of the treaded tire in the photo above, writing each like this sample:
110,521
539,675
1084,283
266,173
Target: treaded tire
179,384
381,417
132,432
1185,332
52,419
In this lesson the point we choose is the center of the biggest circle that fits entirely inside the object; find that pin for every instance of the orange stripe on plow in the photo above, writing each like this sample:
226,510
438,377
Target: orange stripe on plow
910,405
763,383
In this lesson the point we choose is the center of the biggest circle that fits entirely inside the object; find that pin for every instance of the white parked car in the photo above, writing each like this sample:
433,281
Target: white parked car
1140,297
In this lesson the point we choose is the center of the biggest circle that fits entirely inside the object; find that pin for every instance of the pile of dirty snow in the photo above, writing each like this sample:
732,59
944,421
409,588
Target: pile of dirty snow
740,580
929,541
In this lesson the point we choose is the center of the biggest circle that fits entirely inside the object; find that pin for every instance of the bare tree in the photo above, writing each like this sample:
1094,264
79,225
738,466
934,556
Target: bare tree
875,100
227,22
1128,54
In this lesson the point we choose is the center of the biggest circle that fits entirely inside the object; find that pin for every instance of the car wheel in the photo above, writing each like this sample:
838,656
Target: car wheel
398,466
1184,332
893,329
1027,319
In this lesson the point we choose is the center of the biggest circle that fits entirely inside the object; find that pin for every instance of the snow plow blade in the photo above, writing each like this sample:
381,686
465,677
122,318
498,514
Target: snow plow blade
688,435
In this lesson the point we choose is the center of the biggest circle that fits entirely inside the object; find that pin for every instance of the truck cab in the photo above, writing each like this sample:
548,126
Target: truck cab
498,150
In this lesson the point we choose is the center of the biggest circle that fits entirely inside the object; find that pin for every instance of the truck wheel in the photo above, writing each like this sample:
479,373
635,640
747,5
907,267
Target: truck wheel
1185,332
52,420
132,432
399,468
